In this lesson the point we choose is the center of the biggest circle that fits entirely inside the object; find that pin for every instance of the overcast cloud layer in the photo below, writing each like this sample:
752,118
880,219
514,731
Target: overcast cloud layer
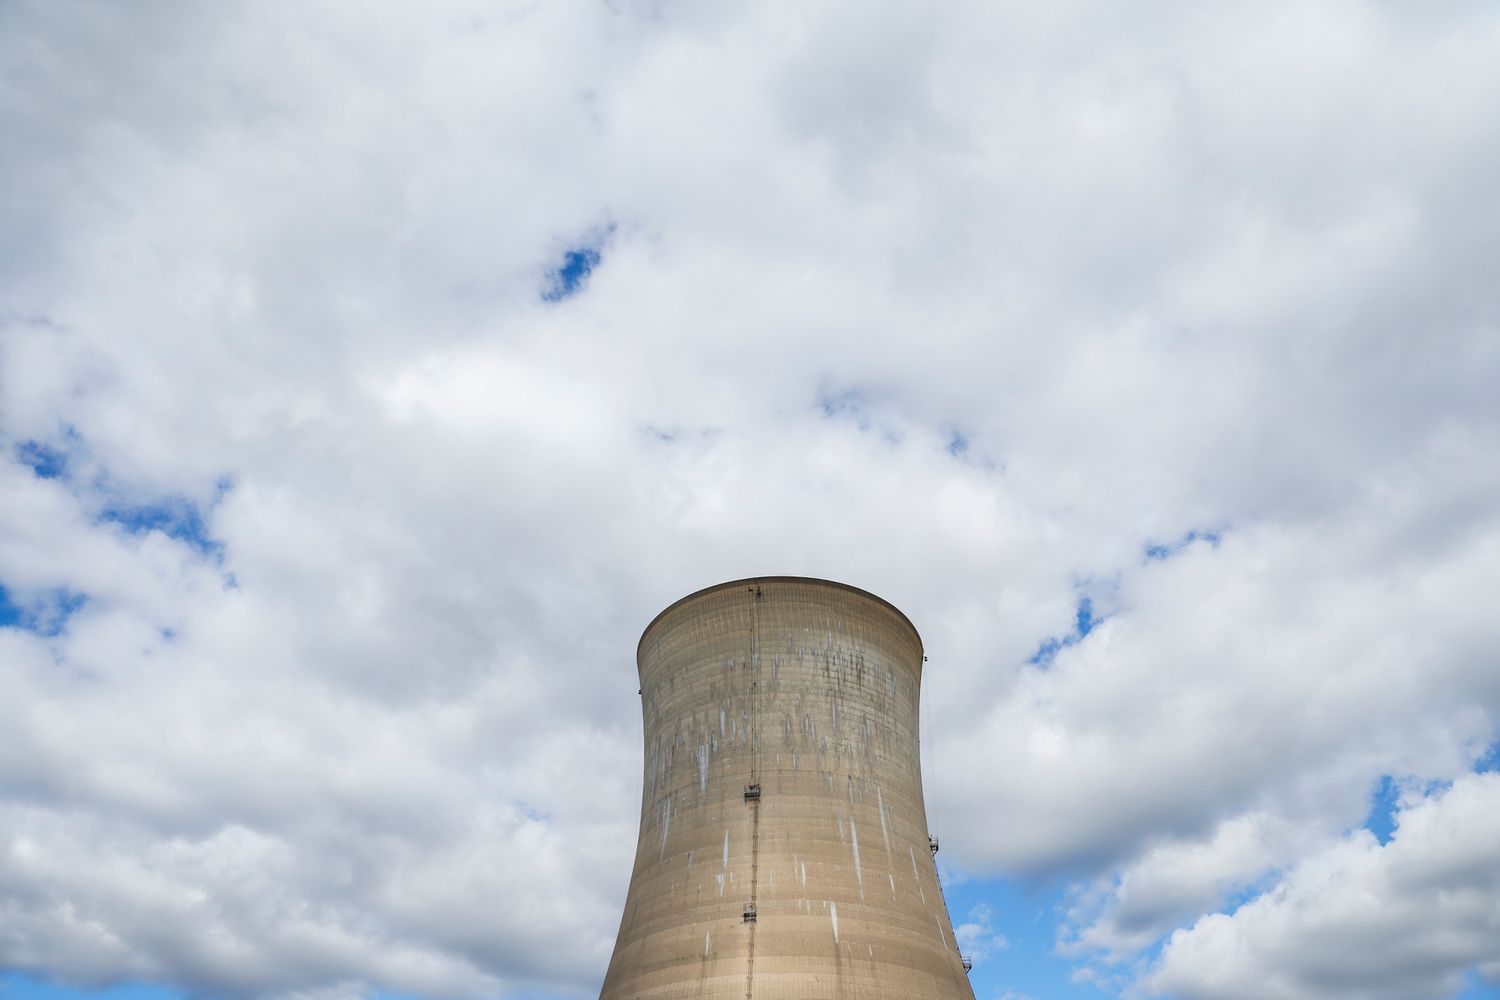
1147,356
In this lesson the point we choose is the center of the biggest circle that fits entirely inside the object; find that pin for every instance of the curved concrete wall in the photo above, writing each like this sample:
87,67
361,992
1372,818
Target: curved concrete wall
809,689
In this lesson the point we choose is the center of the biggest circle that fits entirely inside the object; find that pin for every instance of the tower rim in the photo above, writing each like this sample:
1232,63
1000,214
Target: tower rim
835,584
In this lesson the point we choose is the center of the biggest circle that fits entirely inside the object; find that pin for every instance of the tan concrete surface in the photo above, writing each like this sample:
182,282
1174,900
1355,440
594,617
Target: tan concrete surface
810,689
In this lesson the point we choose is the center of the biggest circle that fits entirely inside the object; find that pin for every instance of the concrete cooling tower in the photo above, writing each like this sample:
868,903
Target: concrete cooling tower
783,848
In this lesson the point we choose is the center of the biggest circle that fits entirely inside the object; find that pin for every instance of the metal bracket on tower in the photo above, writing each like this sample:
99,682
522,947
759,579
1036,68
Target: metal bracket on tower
932,842
968,963
749,913
752,792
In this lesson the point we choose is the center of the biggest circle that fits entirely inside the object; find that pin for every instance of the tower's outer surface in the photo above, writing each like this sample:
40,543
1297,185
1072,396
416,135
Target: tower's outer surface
809,689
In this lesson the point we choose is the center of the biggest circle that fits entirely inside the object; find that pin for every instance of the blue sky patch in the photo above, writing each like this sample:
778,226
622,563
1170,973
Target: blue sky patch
1026,916
177,517
15,986
857,405
679,435
1084,622
1166,550
47,462
1385,800
853,404
46,614
1475,988
963,446
569,277
1490,761
1083,619
1237,898
1048,650
10,612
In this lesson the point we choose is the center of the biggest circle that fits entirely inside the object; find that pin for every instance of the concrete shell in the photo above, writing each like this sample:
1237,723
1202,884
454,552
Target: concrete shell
810,690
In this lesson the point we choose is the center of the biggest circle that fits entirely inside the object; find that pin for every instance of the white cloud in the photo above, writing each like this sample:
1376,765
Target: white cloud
977,938
1166,271
1177,880
1360,920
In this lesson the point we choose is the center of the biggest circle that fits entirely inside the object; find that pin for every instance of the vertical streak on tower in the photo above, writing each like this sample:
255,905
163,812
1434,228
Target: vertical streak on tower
781,717
753,800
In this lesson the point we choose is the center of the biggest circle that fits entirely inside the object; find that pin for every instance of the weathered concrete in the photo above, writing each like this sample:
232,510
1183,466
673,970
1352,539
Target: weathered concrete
808,689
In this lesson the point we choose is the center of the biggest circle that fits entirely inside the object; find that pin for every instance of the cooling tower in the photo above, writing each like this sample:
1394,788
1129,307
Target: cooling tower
783,847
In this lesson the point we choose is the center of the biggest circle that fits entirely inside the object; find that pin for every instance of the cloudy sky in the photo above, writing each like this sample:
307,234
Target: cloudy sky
370,375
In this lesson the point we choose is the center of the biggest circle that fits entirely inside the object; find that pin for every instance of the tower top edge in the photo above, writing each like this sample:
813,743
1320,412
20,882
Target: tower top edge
752,580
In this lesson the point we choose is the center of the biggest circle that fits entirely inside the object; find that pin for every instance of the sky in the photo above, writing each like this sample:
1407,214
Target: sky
371,374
